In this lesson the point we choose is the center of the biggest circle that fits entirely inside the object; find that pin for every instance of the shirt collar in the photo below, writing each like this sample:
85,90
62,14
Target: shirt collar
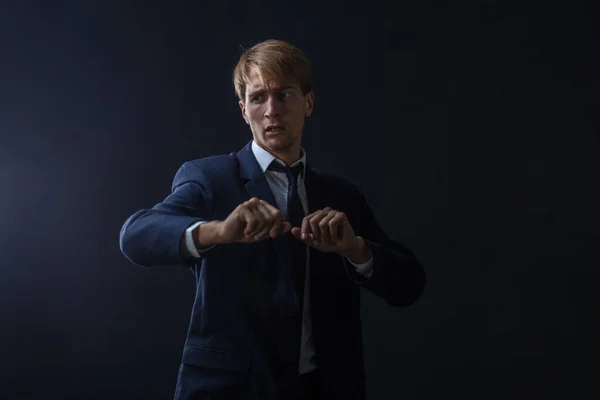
265,158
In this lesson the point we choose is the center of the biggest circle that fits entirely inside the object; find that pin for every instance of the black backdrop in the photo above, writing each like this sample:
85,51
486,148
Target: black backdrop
471,128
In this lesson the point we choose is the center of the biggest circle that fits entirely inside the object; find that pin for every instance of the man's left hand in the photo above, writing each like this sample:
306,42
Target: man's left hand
330,231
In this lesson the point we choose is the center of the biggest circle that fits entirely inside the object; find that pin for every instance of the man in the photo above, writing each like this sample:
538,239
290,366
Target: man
279,251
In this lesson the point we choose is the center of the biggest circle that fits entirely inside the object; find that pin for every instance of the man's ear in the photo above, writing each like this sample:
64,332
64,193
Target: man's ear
243,109
309,104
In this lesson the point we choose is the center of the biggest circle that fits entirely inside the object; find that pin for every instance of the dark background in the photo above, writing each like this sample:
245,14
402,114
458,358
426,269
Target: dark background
471,126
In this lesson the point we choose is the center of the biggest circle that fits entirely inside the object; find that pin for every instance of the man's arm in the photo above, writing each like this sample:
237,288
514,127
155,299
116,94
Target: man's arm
397,276
157,236
199,239
362,259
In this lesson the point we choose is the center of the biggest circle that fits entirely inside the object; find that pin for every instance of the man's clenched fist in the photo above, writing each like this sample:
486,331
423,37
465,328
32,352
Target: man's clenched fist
251,221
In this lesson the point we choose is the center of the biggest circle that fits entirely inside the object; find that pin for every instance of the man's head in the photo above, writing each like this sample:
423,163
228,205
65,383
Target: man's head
273,82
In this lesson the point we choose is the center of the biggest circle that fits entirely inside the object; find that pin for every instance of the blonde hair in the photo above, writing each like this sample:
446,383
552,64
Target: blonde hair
272,60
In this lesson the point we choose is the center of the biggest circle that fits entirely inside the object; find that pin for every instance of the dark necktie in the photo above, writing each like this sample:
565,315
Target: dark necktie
295,214
295,211
289,353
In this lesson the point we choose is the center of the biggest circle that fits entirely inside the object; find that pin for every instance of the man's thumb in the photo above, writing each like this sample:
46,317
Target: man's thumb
286,226
297,232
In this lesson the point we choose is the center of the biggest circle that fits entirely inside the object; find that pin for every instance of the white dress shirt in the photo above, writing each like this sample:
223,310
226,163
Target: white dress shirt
279,183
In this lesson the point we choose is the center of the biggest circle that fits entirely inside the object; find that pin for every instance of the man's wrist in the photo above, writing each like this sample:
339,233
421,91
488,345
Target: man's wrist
207,234
359,253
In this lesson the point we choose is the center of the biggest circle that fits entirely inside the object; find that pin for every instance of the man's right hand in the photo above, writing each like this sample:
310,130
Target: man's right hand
251,221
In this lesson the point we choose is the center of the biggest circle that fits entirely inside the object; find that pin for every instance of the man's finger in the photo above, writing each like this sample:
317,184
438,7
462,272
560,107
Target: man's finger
305,225
247,217
324,227
268,206
298,233
267,218
255,222
286,227
334,226
278,226
314,224
309,216
305,228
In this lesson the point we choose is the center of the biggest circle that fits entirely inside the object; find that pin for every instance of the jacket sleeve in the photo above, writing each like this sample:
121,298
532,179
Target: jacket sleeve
156,236
398,277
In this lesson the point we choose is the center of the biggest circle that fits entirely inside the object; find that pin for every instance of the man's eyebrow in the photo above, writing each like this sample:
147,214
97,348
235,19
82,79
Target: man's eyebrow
261,91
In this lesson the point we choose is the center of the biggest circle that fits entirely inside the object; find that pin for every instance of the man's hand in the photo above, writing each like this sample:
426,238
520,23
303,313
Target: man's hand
250,222
329,230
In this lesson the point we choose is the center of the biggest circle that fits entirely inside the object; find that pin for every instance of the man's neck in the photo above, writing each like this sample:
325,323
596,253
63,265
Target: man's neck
288,157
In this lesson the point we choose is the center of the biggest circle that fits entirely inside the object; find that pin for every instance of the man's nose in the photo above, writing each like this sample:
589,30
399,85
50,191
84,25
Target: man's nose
272,107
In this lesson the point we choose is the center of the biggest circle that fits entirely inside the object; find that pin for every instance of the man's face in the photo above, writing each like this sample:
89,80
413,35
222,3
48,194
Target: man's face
276,116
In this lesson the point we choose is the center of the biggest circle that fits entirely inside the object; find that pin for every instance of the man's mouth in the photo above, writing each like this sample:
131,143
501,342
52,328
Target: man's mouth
275,128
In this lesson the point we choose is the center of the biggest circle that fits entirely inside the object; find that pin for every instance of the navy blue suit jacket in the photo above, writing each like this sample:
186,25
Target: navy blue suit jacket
246,308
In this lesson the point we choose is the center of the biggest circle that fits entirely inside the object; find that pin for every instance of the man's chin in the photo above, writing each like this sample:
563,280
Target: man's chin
278,143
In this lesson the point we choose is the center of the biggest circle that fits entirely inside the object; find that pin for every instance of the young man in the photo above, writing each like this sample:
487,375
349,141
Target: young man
279,251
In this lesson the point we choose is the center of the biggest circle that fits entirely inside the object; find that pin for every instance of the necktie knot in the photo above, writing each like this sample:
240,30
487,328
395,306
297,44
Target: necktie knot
294,209
291,172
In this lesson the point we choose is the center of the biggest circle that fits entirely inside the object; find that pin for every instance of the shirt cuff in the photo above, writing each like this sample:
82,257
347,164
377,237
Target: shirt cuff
189,241
365,269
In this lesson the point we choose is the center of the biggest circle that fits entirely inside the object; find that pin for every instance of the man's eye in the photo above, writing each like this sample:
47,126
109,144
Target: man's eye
256,98
283,94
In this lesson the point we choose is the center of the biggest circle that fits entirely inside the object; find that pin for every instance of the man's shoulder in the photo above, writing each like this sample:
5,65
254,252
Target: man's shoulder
206,169
213,164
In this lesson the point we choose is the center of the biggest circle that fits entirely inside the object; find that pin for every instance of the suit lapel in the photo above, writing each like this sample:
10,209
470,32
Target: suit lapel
255,182
257,186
